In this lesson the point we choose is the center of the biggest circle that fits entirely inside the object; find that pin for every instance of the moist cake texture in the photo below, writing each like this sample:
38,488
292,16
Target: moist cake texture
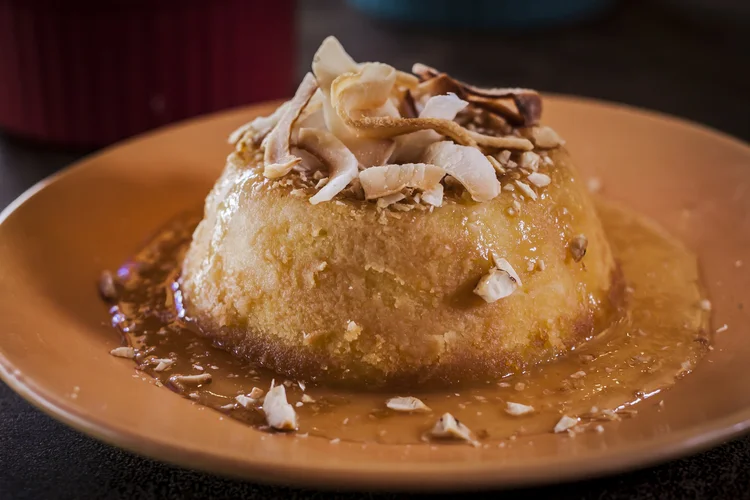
384,228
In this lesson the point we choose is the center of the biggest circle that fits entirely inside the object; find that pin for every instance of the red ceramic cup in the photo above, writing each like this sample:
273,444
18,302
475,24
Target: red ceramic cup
91,72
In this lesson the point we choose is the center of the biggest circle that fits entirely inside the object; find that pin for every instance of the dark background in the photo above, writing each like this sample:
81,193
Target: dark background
686,58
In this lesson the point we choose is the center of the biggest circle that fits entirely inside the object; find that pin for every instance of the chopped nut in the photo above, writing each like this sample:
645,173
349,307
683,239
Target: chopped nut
162,364
545,137
390,199
529,160
407,404
526,190
307,399
496,164
705,305
123,352
519,386
539,180
518,409
448,427
280,415
722,328
500,282
578,246
599,428
495,285
578,374
245,401
565,423
335,441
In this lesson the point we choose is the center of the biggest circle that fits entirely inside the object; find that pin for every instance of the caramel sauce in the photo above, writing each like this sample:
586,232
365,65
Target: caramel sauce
658,338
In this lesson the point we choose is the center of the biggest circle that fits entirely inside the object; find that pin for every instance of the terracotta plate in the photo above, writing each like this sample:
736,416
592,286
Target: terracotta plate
54,333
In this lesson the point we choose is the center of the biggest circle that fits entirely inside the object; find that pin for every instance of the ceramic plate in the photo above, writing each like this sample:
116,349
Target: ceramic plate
55,334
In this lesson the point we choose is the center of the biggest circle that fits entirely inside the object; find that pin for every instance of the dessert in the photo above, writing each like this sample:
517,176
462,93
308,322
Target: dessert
405,258
387,231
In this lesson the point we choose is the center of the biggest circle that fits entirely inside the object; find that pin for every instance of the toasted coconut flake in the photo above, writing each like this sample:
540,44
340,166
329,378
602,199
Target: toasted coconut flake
390,199
390,179
443,106
410,146
507,142
518,409
309,162
312,116
123,352
434,196
448,427
539,180
406,80
259,126
342,165
423,71
521,106
467,165
407,404
544,137
278,158
330,61
370,88
280,415
370,152
408,107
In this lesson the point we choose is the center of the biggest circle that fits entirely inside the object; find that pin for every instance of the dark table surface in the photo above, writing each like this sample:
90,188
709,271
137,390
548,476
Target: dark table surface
690,62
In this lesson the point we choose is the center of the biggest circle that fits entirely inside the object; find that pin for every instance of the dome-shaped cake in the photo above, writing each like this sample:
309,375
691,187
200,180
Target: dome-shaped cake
382,228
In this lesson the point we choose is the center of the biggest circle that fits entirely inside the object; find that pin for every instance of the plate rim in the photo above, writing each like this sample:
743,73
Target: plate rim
444,476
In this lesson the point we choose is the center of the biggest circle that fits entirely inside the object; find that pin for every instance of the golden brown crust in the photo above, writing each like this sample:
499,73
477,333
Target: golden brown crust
279,281
465,369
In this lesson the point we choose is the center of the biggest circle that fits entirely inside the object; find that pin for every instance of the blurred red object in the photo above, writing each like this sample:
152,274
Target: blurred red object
88,73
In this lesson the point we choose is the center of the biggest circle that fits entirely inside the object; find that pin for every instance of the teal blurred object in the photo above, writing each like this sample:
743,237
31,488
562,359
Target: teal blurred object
515,14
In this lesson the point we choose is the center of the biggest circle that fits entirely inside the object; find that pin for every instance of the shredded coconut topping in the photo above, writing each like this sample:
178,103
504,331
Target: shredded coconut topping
369,131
